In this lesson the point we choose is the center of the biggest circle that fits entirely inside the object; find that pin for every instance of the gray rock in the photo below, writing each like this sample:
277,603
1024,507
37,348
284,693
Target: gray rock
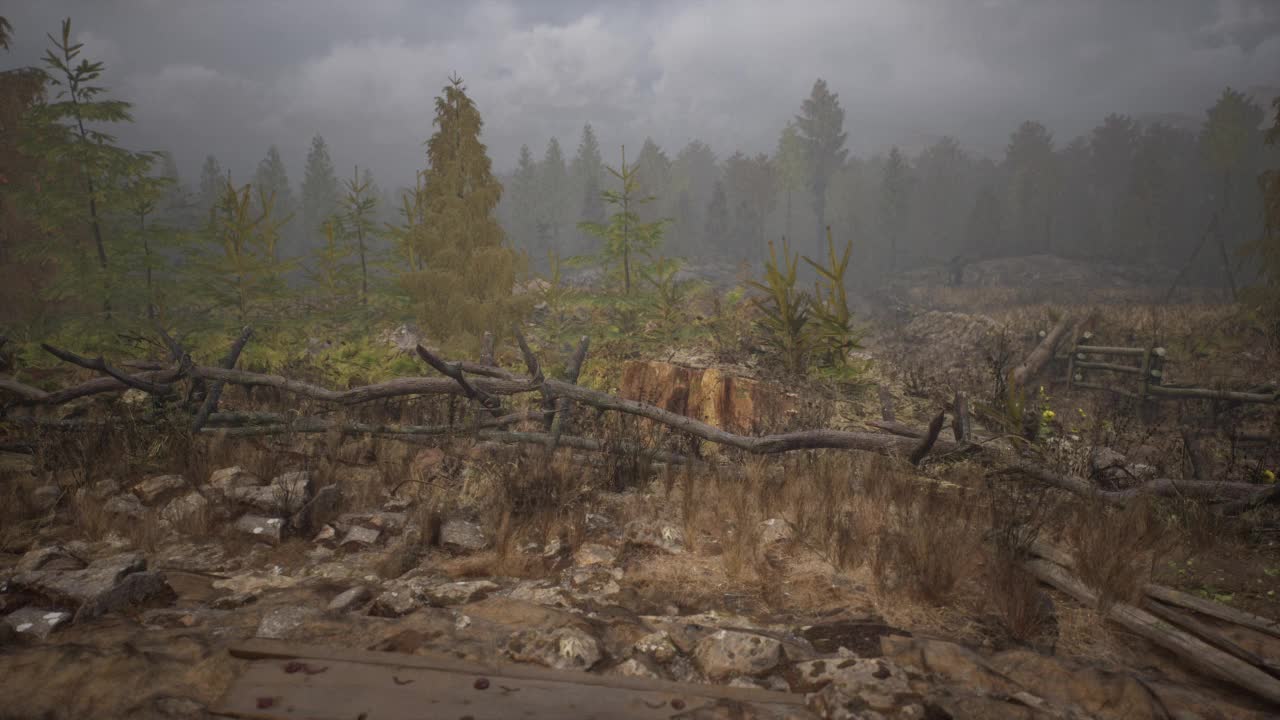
228,479
774,531
1104,458
636,667
124,507
564,648
45,497
36,622
103,489
594,554
234,601
159,488
320,510
285,496
279,623
360,537
391,522
103,586
263,529
295,489
394,603
462,535
456,593
657,645
648,533
876,680
187,512
349,599
54,557
727,653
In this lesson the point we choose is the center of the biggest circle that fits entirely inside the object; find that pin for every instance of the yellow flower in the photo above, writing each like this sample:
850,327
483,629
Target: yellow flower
1269,476
1049,415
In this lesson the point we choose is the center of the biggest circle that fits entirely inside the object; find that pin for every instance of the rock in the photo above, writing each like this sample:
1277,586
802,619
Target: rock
54,557
233,601
231,478
648,533
350,599
279,623
773,531
457,593
321,509
296,484
394,603
186,513
1101,694
594,581
957,664
833,703
44,497
636,667
594,554
657,645
176,707
103,489
263,529
727,653
564,648
875,680
327,534
36,622
103,586
462,535
127,507
1104,458
539,592
360,537
392,522
157,489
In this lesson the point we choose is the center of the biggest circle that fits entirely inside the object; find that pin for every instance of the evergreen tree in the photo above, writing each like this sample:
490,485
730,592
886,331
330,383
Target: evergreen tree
694,174
751,191
319,189
895,203
1030,163
272,179
982,230
943,178
1112,147
1267,247
553,199
625,235
717,232
523,203
1232,144
358,207
213,182
791,160
821,127
467,272
588,174
653,180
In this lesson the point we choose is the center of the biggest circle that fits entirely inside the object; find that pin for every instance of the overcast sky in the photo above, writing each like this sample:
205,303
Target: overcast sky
230,77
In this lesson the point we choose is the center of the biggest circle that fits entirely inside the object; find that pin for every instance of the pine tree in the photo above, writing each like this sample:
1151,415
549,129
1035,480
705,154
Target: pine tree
1232,143
821,126
553,198
694,174
717,230
653,180
358,208
982,229
895,203
1032,168
1112,147
791,162
213,182
145,195
1267,248
319,190
272,179
464,286
625,236
588,174
751,187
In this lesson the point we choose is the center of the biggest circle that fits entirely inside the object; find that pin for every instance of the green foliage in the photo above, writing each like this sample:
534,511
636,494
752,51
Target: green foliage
464,272
358,207
669,299
1266,249
833,328
624,235
784,309
319,188
556,296
821,126
331,268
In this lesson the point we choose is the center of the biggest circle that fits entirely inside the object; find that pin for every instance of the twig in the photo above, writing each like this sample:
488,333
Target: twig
102,366
454,371
563,405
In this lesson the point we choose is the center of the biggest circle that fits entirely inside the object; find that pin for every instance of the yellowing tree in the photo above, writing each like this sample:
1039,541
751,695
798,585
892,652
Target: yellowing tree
463,283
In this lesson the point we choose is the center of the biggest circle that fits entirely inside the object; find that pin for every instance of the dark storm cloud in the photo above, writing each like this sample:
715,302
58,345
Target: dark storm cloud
231,77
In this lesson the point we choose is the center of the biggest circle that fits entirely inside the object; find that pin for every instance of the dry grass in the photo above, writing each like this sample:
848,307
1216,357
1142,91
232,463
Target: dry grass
1115,550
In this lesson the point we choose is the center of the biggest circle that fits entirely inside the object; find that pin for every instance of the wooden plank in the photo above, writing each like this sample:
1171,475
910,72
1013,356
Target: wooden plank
342,690
264,649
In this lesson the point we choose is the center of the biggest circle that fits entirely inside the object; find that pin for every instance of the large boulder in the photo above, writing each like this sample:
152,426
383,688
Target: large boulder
284,496
155,490
103,586
726,654
564,648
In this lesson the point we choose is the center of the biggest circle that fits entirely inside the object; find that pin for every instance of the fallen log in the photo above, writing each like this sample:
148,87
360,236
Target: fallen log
1042,353
102,366
29,395
1163,487
930,437
563,405
210,403
1195,652
1211,636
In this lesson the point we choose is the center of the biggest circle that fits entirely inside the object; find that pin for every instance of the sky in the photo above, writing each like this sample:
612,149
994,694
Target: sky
232,77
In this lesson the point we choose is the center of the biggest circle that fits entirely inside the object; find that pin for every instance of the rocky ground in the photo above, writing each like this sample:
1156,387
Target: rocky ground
109,628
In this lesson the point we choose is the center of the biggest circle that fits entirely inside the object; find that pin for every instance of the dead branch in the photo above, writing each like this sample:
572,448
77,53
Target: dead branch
1164,487
563,405
1041,355
103,366
930,438
454,371
1195,652
486,349
215,390
1200,467
1211,636
961,424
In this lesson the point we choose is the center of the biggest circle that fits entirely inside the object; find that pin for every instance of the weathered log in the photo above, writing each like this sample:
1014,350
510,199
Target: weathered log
1195,652
1042,353
210,403
104,367
454,371
896,428
255,424
1211,635
1164,487
931,437
1206,394
563,405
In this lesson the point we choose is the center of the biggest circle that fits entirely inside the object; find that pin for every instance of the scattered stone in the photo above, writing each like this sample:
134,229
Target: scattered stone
279,622
36,622
360,537
43,498
728,653
594,554
636,667
462,535
159,488
125,506
101,587
320,510
564,648
350,599
394,603
264,529
1104,458
392,522
773,531
327,534
457,593
188,512
228,479
875,680
540,592
234,601
658,645
54,557
596,581
648,533
103,489
176,707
